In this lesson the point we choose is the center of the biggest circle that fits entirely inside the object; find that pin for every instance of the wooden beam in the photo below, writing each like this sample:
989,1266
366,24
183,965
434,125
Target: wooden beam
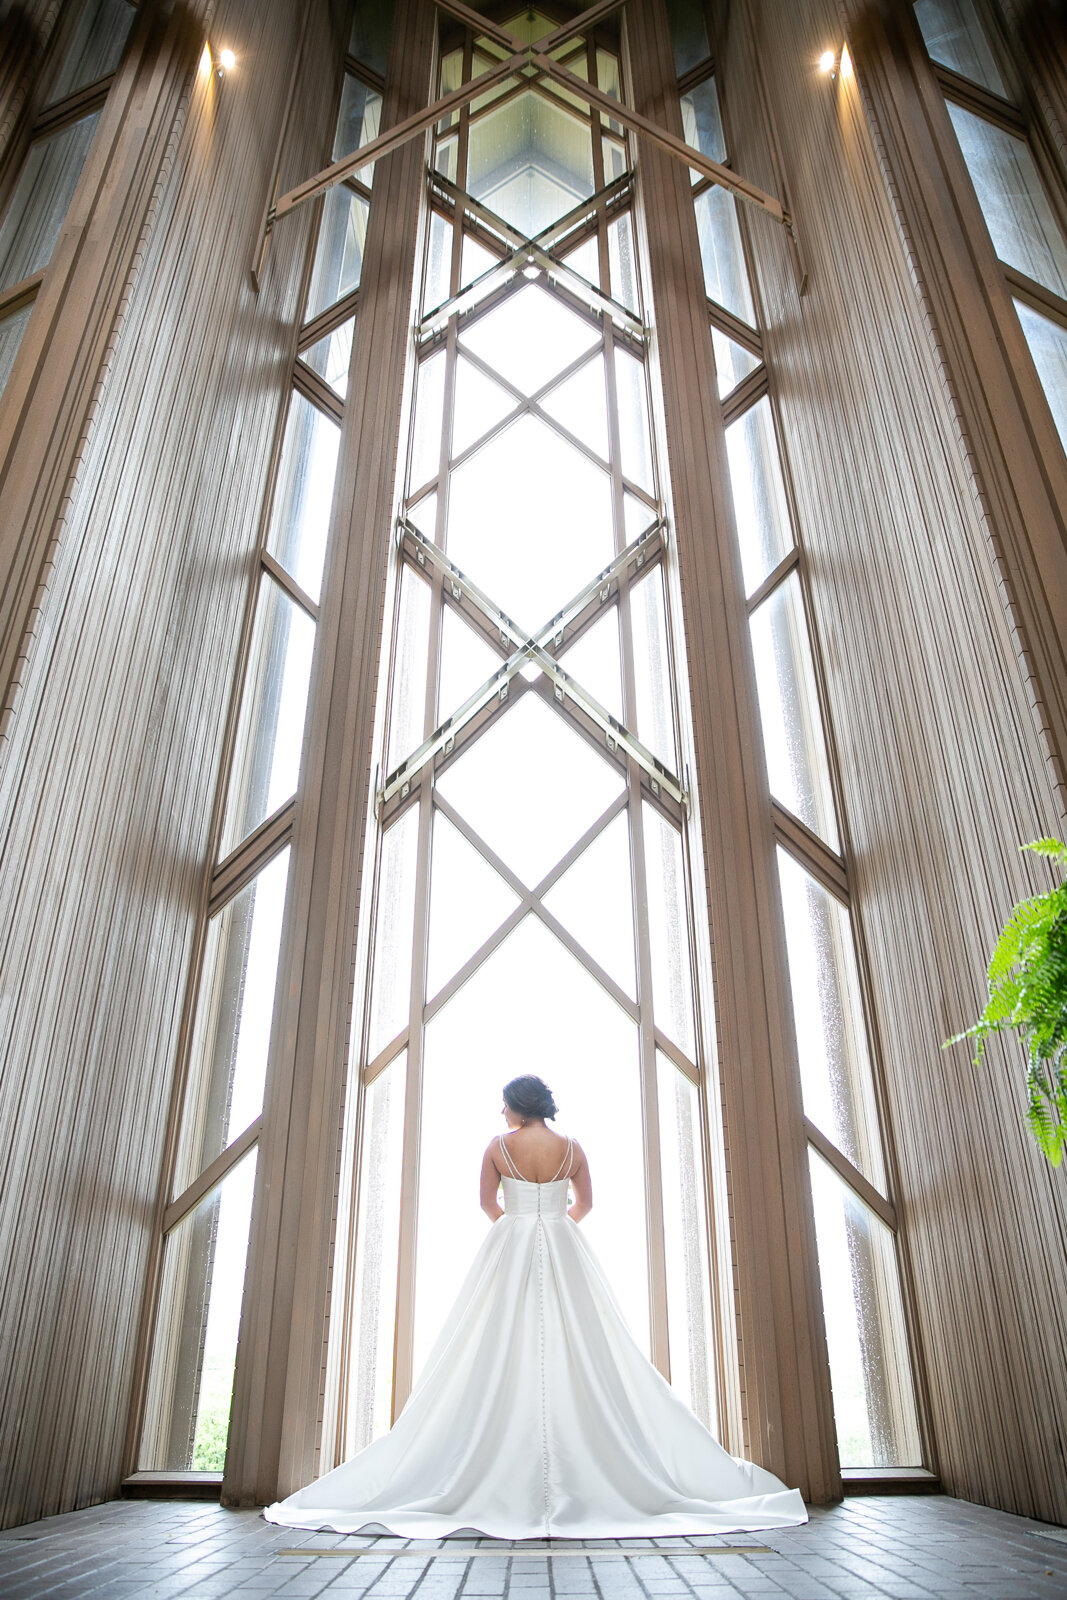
665,141
580,24
396,136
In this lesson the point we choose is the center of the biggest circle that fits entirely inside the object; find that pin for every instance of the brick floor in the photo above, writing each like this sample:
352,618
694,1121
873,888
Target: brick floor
868,1548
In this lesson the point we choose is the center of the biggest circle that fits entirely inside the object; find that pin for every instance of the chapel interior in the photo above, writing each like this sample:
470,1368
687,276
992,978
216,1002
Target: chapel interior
583,591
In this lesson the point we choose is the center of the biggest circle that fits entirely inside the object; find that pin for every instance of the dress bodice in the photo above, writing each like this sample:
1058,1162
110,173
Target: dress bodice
535,1199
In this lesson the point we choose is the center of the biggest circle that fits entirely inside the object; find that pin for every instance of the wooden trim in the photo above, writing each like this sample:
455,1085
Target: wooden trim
73,108
251,856
983,102
306,381
814,855
744,395
326,321
782,570
20,294
211,1176
1044,300
735,328
696,75
866,1191
286,581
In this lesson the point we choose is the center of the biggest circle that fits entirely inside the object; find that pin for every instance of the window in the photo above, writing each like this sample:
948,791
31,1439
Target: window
533,896
874,1402
218,1114
59,144
1011,176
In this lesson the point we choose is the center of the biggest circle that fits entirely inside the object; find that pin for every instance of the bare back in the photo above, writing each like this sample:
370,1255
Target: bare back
537,1153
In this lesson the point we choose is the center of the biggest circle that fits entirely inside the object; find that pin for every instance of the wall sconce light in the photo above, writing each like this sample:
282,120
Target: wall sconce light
227,62
828,63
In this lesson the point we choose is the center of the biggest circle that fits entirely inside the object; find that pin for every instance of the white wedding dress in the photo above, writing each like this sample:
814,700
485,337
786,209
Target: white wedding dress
537,1415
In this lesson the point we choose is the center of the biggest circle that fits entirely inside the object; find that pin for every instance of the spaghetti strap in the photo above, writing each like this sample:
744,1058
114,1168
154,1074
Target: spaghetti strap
506,1153
564,1168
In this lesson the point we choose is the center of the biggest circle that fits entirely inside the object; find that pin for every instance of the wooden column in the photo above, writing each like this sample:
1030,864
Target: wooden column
1016,457
277,1398
46,403
783,1361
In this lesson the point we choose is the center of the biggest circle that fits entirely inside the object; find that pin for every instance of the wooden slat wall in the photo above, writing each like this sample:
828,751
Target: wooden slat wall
943,770
112,764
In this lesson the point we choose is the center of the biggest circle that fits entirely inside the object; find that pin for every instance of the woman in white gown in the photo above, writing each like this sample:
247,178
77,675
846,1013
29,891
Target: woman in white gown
537,1415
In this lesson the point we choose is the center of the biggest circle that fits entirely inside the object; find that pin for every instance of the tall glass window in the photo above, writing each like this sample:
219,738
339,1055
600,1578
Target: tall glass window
40,195
533,896
223,1082
874,1401
1020,196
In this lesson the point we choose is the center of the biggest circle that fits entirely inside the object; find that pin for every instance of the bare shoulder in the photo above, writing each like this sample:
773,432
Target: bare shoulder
579,1154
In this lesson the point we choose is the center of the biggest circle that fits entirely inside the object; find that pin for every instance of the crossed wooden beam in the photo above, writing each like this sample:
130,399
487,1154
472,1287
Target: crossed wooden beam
535,63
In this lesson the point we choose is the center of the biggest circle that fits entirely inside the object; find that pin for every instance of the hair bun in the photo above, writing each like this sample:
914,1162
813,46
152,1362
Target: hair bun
530,1097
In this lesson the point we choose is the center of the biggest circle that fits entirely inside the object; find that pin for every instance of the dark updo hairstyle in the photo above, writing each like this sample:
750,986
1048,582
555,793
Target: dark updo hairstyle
529,1097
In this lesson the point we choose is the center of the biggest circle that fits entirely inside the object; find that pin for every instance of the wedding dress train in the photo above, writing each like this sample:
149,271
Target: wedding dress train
538,1416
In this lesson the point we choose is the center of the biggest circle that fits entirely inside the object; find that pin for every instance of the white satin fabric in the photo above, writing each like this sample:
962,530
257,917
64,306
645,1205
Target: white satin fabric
538,1416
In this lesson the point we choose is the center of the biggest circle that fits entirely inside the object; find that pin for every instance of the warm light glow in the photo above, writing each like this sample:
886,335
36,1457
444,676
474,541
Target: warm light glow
205,61
846,62
227,60
826,61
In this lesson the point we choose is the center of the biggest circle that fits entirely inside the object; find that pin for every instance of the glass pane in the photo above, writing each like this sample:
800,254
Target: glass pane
701,123
634,436
732,362
594,902
407,723
190,1379
504,523
594,661
231,1034
41,199
423,515
725,273
874,1402
668,930
530,162
377,1249
339,254
585,261
835,1069
479,405
529,338
372,26
530,1008
429,410
1048,346
623,265
468,902
270,732
475,260
300,516
685,1237
652,671
466,663
763,528
530,787
789,711
390,999
637,516
12,327
331,357
97,45
580,405
955,37
689,33
1020,220
438,263
358,122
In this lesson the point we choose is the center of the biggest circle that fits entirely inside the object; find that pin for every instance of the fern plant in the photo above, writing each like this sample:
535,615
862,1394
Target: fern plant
1028,992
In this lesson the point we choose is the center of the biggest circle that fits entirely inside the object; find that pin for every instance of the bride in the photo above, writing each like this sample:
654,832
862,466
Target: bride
536,1414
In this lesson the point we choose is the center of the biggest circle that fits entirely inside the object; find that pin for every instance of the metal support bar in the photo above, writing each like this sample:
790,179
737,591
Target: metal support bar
534,251
527,648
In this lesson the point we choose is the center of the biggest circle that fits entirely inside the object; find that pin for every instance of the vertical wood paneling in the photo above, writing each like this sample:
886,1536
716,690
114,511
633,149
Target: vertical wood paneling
112,761
943,765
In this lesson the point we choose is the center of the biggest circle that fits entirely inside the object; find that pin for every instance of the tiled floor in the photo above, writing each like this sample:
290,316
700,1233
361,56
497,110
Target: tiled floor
864,1549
